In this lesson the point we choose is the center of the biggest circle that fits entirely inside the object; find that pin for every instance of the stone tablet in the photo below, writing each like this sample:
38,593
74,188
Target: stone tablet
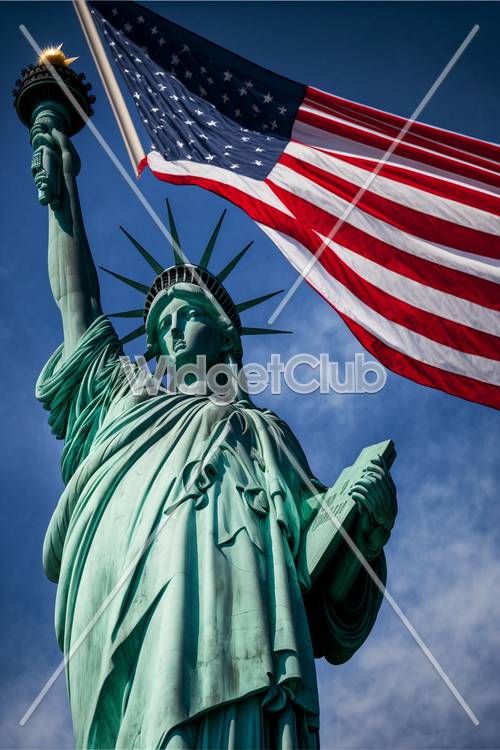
323,536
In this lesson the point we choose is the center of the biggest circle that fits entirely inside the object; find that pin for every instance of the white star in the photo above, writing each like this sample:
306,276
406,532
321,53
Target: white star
211,123
273,125
180,144
235,166
258,163
198,112
174,60
136,95
128,26
203,92
159,73
189,157
237,113
138,75
174,97
209,157
188,74
259,150
137,59
244,138
162,87
243,91
203,70
185,48
140,19
268,98
155,109
154,30
282,110
249,85
114,12
225,98
126,70
227,75
112,44
255,109
189,122
226,147
205,137
210,81
161,41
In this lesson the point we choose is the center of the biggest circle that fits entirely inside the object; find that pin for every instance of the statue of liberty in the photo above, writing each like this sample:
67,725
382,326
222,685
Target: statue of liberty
184,515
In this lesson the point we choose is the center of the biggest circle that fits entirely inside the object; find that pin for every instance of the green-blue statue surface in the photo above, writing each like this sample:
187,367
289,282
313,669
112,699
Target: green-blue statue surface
182,603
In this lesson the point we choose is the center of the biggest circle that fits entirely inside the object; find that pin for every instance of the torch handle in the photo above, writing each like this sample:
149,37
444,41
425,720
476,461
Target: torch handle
46,162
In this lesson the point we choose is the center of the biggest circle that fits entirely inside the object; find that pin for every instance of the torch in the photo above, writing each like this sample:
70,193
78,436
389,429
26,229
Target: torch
42,104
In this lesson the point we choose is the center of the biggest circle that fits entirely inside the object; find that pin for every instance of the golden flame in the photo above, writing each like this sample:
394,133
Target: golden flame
55,56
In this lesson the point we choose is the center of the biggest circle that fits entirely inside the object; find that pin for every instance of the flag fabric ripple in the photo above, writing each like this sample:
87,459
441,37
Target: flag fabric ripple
413,269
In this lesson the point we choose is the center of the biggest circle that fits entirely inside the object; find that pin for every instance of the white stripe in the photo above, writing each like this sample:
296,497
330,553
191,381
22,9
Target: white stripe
312,91
422,149
302,132
376,125
257,189
412,197
419,295
303,187
392,334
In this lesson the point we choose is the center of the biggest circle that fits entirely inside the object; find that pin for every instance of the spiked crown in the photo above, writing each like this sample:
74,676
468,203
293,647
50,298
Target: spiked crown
185,272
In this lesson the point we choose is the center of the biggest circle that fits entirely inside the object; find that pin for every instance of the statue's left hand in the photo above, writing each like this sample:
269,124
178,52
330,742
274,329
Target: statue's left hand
375,495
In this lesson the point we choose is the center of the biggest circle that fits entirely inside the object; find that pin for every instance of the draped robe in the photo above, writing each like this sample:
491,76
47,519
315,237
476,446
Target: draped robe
181,601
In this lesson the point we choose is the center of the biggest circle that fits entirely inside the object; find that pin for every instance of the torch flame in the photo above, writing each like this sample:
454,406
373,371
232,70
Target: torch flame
55,56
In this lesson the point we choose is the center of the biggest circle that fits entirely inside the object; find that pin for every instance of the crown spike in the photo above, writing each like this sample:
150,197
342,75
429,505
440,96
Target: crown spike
205,259
232,263
134,284
246,331
179,258
149,354
256,301
133,335
157,267
127,314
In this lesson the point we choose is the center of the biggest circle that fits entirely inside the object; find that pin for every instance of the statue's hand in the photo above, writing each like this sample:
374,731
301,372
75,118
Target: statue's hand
375,495
54,161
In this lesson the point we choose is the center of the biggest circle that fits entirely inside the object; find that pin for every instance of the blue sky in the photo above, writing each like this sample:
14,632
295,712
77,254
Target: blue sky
444,557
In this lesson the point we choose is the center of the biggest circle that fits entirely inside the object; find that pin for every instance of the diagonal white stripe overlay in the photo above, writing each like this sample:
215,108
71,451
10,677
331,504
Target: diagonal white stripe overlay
366,186
123,578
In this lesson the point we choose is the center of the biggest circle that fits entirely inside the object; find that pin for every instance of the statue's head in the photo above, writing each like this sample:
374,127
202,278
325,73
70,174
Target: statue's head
185,320
188,312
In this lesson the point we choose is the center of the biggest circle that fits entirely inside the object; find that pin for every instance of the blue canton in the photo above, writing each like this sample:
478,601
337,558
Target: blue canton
198,101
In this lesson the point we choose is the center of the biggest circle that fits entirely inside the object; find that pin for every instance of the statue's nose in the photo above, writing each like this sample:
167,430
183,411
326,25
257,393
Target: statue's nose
175,325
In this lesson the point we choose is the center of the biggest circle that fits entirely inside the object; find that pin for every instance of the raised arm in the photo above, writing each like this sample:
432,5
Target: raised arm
72,272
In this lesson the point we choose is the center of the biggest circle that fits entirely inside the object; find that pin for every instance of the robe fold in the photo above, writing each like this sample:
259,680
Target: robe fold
180,597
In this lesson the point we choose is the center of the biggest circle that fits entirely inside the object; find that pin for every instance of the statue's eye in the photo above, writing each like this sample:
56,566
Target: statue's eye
194,313
165,324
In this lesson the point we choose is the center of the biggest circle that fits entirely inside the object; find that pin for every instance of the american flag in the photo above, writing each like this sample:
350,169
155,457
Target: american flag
413,269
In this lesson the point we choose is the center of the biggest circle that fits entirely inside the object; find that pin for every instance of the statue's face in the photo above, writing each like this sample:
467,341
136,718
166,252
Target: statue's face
188,327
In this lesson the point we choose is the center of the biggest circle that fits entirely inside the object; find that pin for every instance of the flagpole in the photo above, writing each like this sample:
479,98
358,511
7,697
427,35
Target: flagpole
114,94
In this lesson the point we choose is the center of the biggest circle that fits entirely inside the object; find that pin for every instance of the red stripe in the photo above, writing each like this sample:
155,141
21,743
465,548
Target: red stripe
442,278
402,149
418,223
410,136
430,183
471,145
262,212
433,377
